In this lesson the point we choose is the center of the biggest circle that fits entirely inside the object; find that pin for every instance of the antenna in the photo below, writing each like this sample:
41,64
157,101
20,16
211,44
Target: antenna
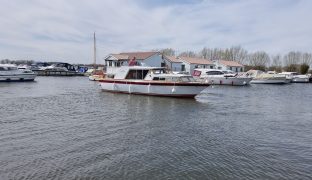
94,53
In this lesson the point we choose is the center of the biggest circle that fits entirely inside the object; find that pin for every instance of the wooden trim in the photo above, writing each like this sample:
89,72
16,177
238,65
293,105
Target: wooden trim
154,83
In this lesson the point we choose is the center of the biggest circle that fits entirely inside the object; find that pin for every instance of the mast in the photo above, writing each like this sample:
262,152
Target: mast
94,50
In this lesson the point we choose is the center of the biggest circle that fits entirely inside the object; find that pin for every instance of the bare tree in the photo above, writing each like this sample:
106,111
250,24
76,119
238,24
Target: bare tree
260,59
168,52
205,53
235,53
292,58
188,54
306,58
276,60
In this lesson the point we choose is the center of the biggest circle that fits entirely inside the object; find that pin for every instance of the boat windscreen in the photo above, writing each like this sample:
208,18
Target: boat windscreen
136,74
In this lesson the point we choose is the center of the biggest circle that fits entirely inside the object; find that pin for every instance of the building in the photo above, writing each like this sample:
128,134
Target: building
229,65
173,63
113,61
190,63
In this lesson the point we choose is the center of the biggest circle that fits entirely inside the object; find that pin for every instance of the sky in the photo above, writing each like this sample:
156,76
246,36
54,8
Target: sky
62,30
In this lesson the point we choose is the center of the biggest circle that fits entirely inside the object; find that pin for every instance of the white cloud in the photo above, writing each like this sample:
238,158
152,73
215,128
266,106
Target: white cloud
62,30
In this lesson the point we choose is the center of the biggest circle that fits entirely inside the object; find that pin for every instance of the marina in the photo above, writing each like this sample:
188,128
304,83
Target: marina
57,73
156,90
73,130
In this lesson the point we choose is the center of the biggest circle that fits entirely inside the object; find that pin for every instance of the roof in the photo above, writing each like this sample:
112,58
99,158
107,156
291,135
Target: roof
173,59
120,56
192,60
139,55
230,63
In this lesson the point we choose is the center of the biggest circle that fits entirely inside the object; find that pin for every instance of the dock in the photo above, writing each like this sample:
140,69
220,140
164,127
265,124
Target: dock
57,73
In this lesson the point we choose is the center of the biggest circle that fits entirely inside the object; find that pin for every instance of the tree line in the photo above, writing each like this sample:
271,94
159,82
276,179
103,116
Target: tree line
292,61
17,62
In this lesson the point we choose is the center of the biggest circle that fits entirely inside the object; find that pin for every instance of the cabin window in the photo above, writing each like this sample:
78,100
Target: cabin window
211,67
110,63
214,73
118,64
158,71
12,68
2,69
159,78
137,74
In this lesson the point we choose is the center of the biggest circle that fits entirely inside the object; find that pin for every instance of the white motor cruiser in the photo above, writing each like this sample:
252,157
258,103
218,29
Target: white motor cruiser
260,77
294,77
219,77
10,72
152,81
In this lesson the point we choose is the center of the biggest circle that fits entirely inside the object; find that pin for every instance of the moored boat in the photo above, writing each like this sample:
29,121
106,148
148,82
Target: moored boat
152,81
219,77
9,73
294,77
260,77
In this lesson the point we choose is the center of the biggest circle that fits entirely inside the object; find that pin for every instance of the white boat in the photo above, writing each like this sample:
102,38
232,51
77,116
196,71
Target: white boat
23,67
219,77
10,72
294,77
152,81
260,77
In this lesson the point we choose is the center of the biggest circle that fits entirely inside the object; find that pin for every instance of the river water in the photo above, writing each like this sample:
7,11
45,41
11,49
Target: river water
67,128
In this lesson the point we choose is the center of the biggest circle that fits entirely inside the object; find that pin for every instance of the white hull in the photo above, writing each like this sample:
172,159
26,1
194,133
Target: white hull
91,78
155,89
17,77
269,81
300,80
234,81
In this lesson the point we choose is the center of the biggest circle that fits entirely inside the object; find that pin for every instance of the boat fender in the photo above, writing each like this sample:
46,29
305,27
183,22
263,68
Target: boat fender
129,88
232,83
173,90
220,81
149,88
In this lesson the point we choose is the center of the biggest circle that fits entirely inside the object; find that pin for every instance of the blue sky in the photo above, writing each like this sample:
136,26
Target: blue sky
61,30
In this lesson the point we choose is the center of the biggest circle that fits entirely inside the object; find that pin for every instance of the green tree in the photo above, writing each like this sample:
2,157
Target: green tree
304,68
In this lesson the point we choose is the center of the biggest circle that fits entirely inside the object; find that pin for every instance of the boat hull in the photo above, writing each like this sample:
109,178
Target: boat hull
269,81
18,77
186,90
300,80
233,81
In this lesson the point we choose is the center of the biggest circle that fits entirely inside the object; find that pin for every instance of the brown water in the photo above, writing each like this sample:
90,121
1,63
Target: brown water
66,128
